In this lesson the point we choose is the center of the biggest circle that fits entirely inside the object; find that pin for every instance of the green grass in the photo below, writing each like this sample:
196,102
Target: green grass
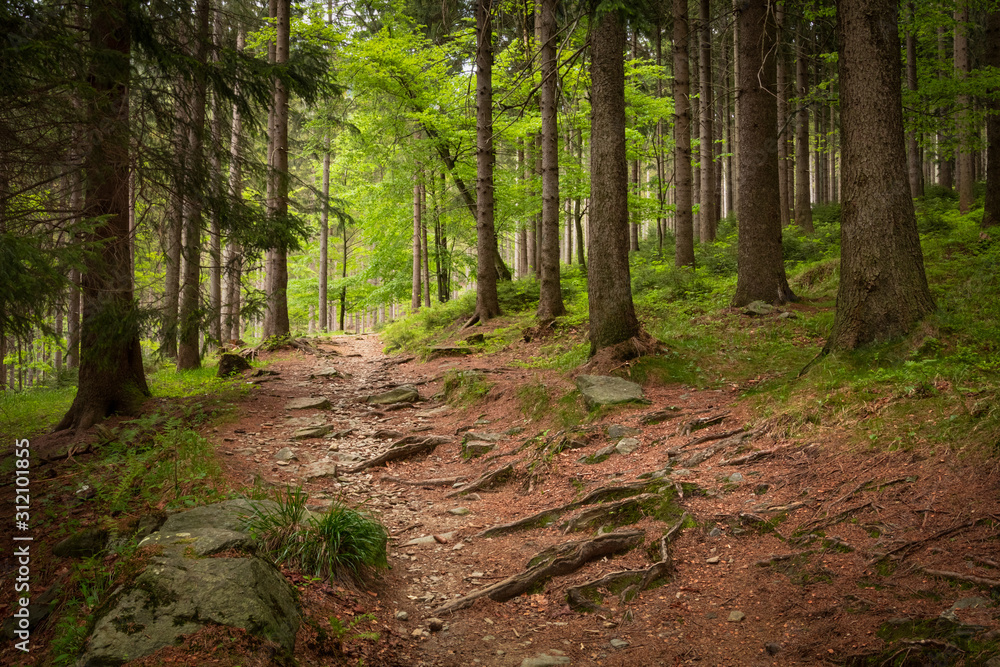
342,541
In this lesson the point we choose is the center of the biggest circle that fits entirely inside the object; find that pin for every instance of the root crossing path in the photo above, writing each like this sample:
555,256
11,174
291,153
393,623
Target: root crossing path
526,531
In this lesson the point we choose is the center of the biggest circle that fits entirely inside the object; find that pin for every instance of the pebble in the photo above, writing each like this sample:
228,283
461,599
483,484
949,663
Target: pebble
736,477
713,560
736,616
402,616
459,511
545,660
435,624
285,454
715,532
627,445
772,648
618,643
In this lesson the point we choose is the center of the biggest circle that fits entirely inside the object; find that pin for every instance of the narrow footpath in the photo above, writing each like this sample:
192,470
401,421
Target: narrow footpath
679,531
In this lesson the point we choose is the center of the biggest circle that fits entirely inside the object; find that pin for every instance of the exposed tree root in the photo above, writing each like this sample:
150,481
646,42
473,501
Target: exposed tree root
967,578
700,422
712,436
702,455
609,512
753,456
552,562
660,416
401,450
440,481
628,582
487,481
549,516
904,549
777,558
818,524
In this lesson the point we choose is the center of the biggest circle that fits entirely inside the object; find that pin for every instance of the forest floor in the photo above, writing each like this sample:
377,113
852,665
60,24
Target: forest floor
817,552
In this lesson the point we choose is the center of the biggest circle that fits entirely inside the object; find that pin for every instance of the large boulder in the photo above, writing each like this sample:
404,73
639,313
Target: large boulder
176,595
601,390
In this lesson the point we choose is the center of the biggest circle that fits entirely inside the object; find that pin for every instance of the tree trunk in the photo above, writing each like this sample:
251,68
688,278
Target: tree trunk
188,352
487,301
415,287
683,221
946,176
111,372
803,205
550,303
991,207
612,315
912,150
966,179
707,119
761,268
782,69
423,245
215,231
174,221
883,289
276,315
234,255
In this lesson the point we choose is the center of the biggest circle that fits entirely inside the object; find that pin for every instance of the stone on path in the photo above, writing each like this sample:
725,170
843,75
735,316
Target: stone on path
402,394
736,616
616,431
546,659
308,403
428,539
311,432
285,454
627,445
601,390
485,437
618,643
476,448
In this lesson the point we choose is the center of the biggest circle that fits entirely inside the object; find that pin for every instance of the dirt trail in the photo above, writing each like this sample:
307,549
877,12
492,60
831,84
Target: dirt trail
799,555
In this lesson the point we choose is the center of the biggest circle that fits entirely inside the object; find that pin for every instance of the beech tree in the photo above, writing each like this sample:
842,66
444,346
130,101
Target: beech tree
609,289
883,289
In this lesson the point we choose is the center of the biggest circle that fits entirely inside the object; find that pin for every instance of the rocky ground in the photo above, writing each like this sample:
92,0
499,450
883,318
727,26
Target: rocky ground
732,544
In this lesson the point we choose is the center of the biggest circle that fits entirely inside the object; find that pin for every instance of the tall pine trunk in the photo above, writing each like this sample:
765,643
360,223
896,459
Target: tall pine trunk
683,220
883,289
550,303
761,268
612,314
707,121
803,204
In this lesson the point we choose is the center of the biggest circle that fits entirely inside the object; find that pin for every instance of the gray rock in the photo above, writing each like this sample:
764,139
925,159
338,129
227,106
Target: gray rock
401,394
327,373
321,469
772,648
476,448
736,478
227,515
200,541
435,412
176,596
435,624
736,616
459,511
616,431
545,660
599,456
627,445
618,643
680,472
757,308
310,432
87,542
286,454
972,603
308,403
787,315
428,539
601,390
482,437
715,532
402,616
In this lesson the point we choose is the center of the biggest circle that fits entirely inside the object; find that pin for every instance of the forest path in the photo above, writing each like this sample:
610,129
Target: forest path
778,569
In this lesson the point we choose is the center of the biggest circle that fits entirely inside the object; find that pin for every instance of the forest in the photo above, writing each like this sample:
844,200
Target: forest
780,215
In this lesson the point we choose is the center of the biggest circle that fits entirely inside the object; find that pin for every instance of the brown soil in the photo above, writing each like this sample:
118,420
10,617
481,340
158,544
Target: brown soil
858,524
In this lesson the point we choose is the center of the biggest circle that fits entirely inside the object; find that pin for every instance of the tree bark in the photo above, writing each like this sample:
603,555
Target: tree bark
215,231
188,351
550,302
761,268
425,253
966,179
112,378
912,149
683,218
612,314
991,207
782,69
174,222
803,205
276,315
487,300
234,255
415,286
946,175
708,214
883,289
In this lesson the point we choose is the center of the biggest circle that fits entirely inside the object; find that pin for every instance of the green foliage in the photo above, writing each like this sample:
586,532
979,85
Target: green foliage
342,632
33,411
533,400
464,388
342,541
